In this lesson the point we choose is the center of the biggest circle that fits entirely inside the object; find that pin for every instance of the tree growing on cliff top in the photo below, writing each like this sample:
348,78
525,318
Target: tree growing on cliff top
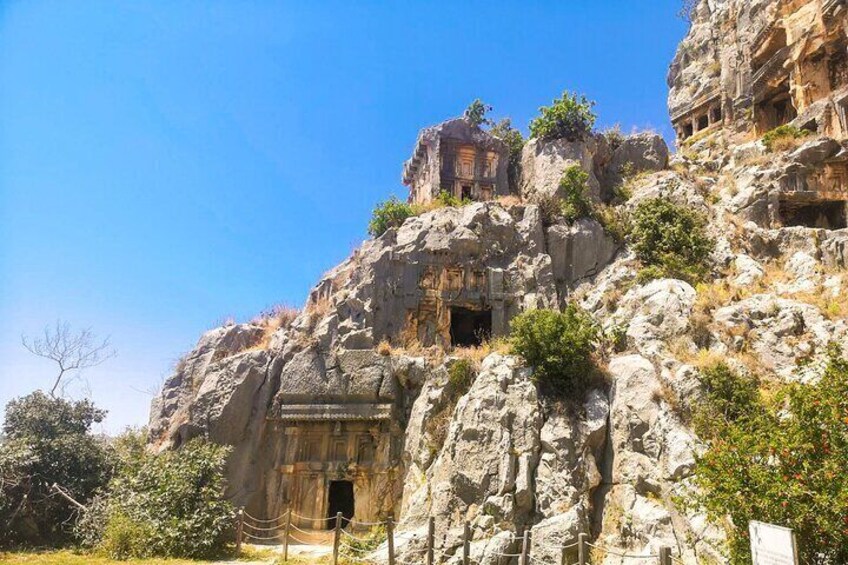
569,117
476,113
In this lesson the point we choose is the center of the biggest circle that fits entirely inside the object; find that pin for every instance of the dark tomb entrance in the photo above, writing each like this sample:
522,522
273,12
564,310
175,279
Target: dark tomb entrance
340,499
822,214
469,328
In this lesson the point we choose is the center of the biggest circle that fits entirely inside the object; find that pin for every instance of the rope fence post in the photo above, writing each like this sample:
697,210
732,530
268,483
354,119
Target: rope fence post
466,544
337,537
390,537
431,539
286,536
563,558
582,549
665,556
525,548
239,529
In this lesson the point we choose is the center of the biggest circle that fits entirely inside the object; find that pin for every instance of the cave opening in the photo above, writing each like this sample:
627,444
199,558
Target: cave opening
340,499
828,214
469,328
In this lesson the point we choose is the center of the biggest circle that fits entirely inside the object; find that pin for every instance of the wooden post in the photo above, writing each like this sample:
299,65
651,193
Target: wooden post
337,538
239,529
563,558
665,556
466,544
431,539
286,536
582,549
390,538
525,548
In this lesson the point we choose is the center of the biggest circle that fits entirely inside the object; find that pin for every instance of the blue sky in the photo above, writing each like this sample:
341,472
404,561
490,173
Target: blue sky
167,165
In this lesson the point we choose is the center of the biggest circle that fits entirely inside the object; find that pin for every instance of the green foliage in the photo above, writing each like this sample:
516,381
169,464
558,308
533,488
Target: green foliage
355,548
576,200
569,117
504,131
47,441
166,505
559,346
476,113
461,376
777,139
615,220
782,463
389,214
728,396
670,240
447,200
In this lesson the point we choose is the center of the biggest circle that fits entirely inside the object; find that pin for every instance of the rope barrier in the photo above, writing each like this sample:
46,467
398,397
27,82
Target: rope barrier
258,529
363,540
295,528
300,541
263,521
251,536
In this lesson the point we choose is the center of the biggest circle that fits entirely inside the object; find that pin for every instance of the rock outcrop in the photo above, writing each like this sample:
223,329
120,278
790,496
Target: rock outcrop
361,385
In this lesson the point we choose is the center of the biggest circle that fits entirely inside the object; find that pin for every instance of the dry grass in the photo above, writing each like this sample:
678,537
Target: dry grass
279,316
510,201
317,309
476,354
665,393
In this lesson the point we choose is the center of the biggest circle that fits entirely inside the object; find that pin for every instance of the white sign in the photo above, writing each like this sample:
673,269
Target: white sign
772,545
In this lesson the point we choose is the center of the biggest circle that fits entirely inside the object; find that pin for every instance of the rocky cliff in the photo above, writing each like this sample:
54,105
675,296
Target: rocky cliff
614,463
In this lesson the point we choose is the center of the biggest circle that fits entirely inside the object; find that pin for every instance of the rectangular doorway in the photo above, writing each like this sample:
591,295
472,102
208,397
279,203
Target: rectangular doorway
340,499
469,328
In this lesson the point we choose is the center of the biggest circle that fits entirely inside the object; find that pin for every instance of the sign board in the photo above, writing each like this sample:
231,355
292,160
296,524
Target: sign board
772,545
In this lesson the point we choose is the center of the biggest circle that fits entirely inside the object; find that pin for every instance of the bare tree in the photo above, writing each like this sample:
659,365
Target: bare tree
71,351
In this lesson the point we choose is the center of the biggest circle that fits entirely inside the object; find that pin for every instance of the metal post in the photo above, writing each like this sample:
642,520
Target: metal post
525,548
286,536
466,544
337,537
431,539
582,549
239,529
665,556
390,537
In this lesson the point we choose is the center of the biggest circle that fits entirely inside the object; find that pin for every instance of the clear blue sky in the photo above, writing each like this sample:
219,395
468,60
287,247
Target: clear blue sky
166,165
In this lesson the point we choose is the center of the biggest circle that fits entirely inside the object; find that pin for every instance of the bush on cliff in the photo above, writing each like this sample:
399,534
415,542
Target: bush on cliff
559,346
781,461
783,138
670,240
389,214
569,117
166,505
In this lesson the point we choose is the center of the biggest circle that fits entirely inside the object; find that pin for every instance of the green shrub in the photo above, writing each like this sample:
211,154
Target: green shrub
782,463
783,137
574,190
47,441
670,240
461,376
504,131
728,396
559,346
389,214
569,117
476,113
166,505
447,200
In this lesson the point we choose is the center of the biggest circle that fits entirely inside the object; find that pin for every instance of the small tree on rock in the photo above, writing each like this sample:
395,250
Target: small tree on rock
476,113
569,117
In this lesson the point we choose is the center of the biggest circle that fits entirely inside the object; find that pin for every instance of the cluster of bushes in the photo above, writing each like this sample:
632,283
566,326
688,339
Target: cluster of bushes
783,138
392,213
170,504
670,240
48,441
560,347
62,485
779,459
